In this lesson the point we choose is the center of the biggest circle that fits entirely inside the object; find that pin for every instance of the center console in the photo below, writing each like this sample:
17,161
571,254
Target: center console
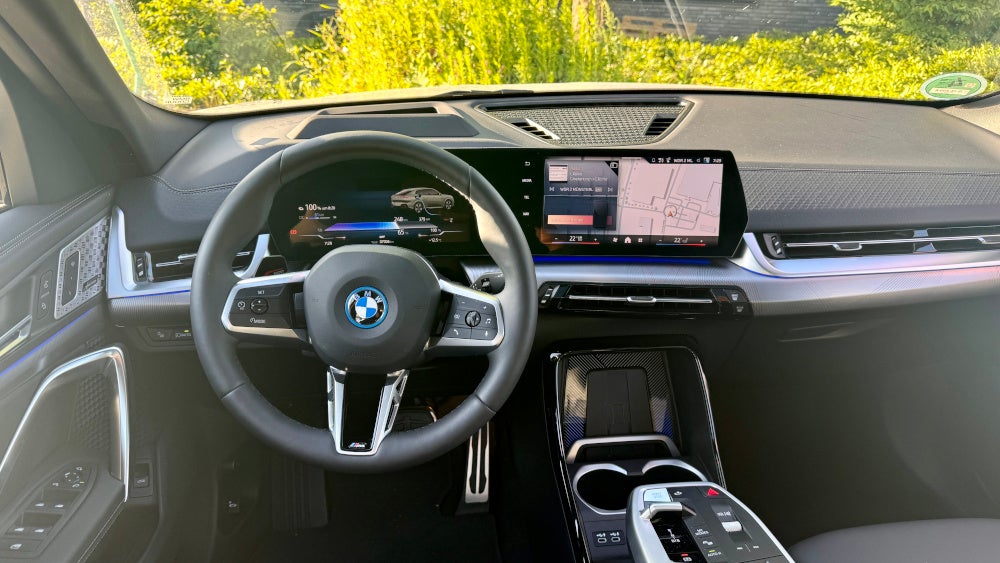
641,462
696,522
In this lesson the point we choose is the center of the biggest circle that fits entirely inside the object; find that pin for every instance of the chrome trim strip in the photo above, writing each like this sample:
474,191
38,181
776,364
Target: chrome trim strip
15,336
578,445
120,464
640,299
643,541
856,245
751,257
392,395
680,464
619,469
121,282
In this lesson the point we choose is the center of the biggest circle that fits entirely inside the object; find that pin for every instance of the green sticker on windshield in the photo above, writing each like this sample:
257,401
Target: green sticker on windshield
954,85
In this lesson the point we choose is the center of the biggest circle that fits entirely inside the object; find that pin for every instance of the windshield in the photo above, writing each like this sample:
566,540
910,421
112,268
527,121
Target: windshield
197,54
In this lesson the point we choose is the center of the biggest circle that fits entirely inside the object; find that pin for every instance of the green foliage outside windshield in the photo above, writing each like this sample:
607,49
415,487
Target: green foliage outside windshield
224,51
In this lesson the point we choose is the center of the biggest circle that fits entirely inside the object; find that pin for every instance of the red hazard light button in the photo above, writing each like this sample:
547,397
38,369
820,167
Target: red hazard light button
712,492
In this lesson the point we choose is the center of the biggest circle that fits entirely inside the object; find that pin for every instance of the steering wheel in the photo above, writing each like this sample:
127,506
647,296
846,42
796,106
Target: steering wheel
369,314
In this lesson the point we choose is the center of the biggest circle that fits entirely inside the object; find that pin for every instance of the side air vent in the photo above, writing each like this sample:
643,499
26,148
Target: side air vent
178,263
535,129
877,243
644,299
660,124
594,124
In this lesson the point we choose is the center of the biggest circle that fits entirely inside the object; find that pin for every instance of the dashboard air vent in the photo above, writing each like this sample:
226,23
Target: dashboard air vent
644,299
535,129
660,124
594,124
178,263
877,243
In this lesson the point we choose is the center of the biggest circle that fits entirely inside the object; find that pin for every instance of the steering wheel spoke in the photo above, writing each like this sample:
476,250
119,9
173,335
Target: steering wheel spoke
473,326
362,409
267,310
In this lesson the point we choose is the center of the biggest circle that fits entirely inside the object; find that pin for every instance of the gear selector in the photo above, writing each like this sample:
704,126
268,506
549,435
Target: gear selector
697,523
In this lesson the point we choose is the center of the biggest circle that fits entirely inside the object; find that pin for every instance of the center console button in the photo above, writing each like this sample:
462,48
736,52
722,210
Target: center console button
714,554
656,495
699,531
711,492
707,542
686,557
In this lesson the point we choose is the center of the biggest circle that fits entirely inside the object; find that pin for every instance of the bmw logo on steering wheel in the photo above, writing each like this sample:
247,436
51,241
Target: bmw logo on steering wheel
366,307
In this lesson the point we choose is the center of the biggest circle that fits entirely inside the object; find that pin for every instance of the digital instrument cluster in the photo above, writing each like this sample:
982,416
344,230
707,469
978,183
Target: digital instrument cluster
571,202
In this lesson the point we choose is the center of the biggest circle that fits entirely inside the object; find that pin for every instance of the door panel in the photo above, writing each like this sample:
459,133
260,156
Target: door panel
63,397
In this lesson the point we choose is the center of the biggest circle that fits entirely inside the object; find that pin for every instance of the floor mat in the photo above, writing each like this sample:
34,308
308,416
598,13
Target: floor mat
392,517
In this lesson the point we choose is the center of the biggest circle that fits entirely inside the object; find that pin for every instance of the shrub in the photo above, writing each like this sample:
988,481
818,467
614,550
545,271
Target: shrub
217,51
949,23
225,51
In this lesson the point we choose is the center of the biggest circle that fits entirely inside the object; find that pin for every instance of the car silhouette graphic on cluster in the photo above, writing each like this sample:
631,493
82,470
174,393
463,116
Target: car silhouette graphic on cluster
419,199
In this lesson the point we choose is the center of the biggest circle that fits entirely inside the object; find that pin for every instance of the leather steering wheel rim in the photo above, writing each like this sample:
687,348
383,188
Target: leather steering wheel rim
240,218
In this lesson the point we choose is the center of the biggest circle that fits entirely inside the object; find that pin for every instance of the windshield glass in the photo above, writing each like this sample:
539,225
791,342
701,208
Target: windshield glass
196,54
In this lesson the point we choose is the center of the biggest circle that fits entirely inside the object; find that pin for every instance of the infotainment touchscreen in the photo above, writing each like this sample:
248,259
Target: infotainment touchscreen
600,202
631,200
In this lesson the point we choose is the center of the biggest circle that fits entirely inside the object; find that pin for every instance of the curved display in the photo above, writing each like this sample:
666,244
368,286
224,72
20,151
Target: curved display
569,202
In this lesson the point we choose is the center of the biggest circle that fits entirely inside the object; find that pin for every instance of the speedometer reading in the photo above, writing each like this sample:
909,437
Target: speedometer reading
416,211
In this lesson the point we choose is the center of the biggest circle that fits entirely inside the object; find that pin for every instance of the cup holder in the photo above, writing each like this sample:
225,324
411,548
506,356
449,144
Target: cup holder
605,487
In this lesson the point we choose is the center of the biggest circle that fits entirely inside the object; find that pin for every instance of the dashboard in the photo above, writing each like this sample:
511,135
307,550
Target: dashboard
569,202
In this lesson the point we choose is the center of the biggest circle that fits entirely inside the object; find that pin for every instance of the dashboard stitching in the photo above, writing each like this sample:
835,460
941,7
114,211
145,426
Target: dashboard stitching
197,189
51,218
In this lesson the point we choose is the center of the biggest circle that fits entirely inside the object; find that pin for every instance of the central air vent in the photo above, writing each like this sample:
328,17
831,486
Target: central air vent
660,124
644,299
178,263
594,124
879,243
415,119
535,129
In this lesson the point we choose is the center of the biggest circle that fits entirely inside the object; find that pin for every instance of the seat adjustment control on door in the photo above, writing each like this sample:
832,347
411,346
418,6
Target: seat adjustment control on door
697,523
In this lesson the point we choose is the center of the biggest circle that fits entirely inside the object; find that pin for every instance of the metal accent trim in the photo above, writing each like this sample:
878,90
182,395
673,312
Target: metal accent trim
122,283
15,336
392,395
641,299
751,257
120,465
578,445
590,469
477,464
